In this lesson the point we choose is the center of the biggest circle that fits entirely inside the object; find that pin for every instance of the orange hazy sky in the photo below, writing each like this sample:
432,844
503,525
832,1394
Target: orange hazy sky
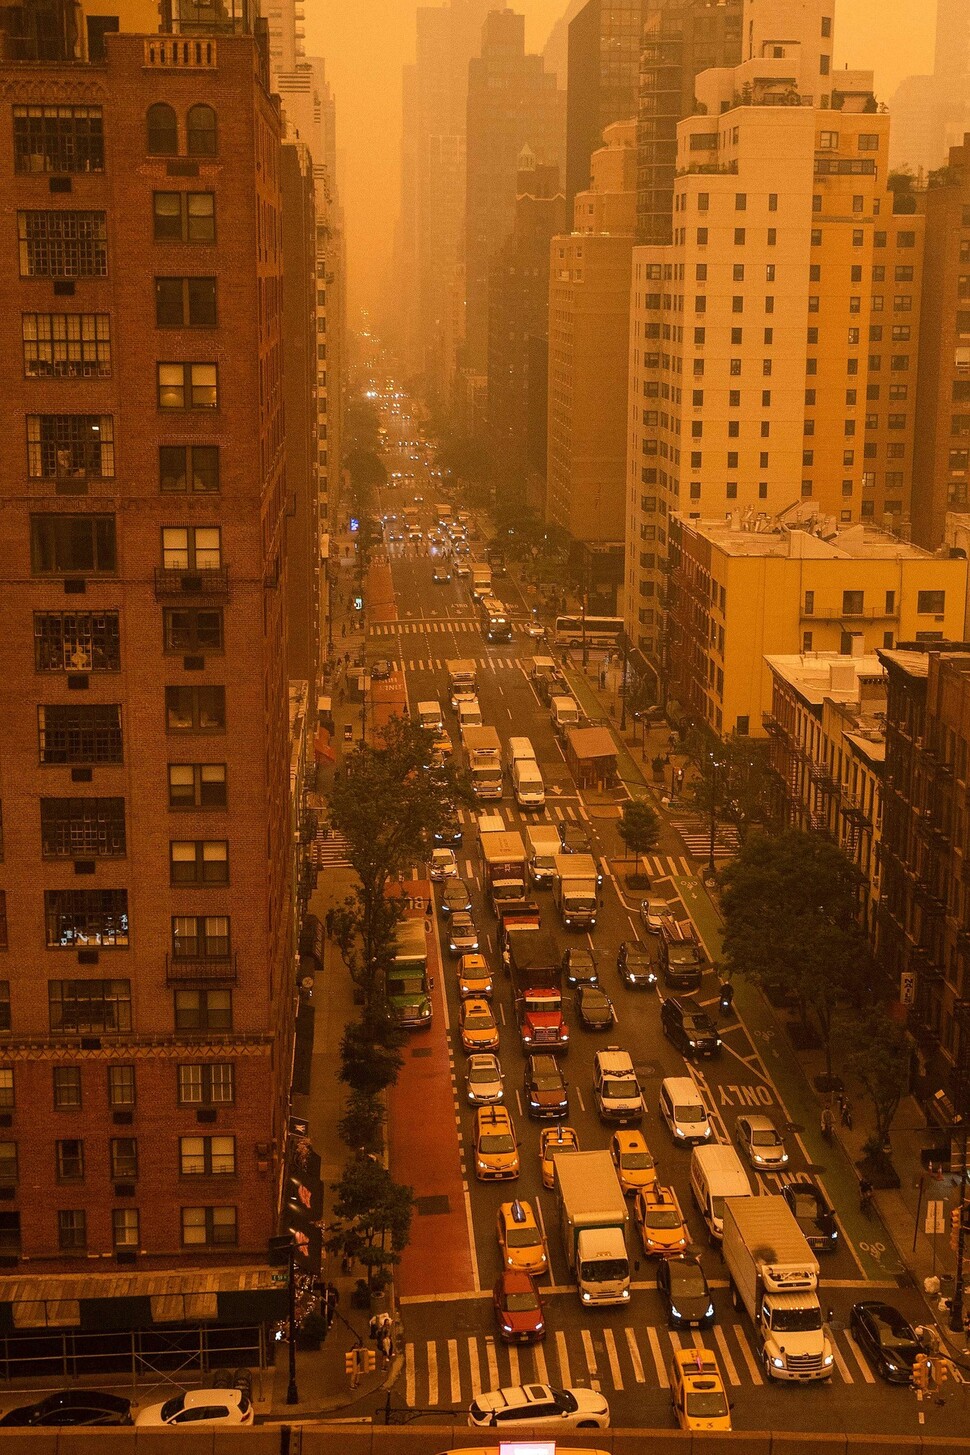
366,42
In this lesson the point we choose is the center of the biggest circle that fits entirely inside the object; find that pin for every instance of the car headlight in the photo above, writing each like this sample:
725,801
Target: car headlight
778,1362
674,1312
710,1311
587,1297
758,1157
510,1261
679,1132
540,1327
625,1293
693,1045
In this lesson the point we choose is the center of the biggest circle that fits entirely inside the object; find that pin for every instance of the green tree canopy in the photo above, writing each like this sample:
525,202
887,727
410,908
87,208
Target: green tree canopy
877,1055
374,1217
639,827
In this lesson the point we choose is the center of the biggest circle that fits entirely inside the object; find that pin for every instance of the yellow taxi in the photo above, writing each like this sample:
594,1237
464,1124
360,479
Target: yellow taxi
697,1391
520,1239
555,1142
633,1161
496,1149
477,1025
474,978
660,1221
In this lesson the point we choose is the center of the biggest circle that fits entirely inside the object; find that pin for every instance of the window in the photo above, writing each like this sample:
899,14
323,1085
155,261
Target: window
807,639
930,603
201,131
700,273
10,1234
902,303
8,1163
209,1227
124,1159
121,1086
868,141
734,398
737,303
206,1083
740,201
732,490
81,828
70,1159
82,641
185,301
188,386
72,1230
207,1156
58,139
732,460
809,603
199,861
853,603
735,368
738,273
185,217
191,547
62,244
906,239
7,1101
203,1010
162,131
739,237
197,785
897,421
192,629
89,1006
70,446
772,201
195,709
703,201
76,918
200,937
188,468
72,544
67,1088
124,1227
772,237
737,335
734,429
702,237
66,345
828,141
79,734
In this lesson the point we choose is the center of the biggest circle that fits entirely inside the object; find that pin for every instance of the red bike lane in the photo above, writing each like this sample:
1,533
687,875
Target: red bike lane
425,1151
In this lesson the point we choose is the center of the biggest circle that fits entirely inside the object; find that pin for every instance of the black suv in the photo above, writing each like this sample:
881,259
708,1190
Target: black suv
689,1028
579,967
635,966
544,1088
681,960
573,838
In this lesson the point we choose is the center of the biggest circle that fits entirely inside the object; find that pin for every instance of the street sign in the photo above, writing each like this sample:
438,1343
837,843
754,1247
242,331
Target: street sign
907,988
935,1221
282,1277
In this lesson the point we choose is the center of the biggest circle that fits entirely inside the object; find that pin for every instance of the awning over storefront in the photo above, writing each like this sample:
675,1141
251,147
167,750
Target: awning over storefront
303,1204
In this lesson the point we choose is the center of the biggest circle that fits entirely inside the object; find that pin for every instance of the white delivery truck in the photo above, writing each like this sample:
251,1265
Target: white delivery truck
574,890
564,714
484,755
773,1274
542,841
716,1173
429,716
481,580
516,749
592,1220
469,715
462,680
527,784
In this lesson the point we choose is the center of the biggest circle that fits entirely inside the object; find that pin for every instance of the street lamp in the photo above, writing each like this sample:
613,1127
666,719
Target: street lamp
282,1250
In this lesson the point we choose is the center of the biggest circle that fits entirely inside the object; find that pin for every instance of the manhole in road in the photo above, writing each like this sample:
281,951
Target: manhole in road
432,1206
648,1068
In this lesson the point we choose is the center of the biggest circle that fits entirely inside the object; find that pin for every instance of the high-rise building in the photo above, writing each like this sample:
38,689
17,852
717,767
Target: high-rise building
931,113
513,105
589,329
603,79
146,1003
518,314
763,369
681,38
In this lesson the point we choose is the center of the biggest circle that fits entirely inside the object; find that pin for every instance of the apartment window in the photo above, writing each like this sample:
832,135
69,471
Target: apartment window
772,237
868,141
738,273
58,139
200,131
81,828
906,239
67,1088
702,237
699,337
809,398
184,217
807,639
739,237
828,141
200,937
811,366
700,274
188,548
817,205
72,1228
848,457
902,303
809,428
737,335
203,1010
124,1159
209,1227
7,1101
10,1245
66,345
737,303
77,918
195,709
70,1159
772,201
734,398
765,428
732,490
858,203
896,452
848,428
207,1156
930,603
206,1083
734,429
960,424
703,201
696,458
696,428
697,398
82,641
813,303
181,302
192,629
188,386
70,446
199,861
79,734
846,487
740,201
188,469
817,235
62,244
700,304
735,368
762,489
894,481
121,1086
732,460
853,603
695,494
858,237
162,131
8,1163
124,1227
72,545
766,368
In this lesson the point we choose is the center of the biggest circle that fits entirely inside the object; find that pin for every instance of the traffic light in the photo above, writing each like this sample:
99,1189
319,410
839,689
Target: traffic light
350,1363
955,1225
370,1360
921,1372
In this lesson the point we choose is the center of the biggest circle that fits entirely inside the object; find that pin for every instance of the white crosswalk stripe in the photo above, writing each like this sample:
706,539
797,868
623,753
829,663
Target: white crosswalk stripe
696,834
329,850
633,1355
668,866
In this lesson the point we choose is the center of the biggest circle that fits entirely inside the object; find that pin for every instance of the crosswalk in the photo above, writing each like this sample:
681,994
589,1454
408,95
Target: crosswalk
667,866
552,813
696,834
609,1358
414,626
329,850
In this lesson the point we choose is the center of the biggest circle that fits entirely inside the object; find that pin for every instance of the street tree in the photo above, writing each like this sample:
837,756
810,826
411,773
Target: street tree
639,828
877,1055
735,773
373,1218
362,422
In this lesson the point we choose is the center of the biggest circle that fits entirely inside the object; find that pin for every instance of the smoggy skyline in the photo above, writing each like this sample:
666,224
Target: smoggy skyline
367,44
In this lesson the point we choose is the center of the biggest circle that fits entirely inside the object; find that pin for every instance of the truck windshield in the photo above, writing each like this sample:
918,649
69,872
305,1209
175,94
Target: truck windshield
604,1270
796,1320
407,985
543,1004
581,901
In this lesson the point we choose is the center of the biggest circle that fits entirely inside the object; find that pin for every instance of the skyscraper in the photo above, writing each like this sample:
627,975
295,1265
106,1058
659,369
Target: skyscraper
603,80
931,113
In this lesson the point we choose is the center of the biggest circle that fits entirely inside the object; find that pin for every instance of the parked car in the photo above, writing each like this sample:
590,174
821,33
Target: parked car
761,1142
635,967
518,1308
685,1294
655,913
71,1407
594,1008
200,1406
888,1340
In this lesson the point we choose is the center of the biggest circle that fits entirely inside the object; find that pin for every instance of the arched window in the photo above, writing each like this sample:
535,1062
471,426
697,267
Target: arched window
201,131
163,132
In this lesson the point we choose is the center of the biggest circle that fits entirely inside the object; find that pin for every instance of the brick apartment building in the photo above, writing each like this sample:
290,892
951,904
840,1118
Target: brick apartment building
145,972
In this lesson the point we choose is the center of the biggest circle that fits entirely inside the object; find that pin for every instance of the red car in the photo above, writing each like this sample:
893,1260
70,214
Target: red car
518,1308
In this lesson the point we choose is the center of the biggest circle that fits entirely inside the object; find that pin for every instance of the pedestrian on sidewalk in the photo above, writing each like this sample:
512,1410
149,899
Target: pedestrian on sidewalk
385,1341
356,1364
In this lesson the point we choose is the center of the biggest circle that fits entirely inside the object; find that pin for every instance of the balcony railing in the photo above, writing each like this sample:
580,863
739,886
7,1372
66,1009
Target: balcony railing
183,581
829,611
201,970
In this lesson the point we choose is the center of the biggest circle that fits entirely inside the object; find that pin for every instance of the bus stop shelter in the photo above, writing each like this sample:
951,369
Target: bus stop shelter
591,755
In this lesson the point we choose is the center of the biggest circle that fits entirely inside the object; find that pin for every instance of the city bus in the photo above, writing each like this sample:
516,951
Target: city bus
496,620
599,631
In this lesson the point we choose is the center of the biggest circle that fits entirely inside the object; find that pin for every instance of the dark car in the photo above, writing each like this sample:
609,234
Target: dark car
579,967
518,1308
574,838
594,1008
689,1028
381,670
686,1296
449,834
888,1340
681,959
813,1215
544,1088
455,897
72,1407
441,576
635,966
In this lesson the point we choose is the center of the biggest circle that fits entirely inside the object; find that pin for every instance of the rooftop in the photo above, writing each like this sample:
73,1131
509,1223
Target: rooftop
818,676
792,536
916,663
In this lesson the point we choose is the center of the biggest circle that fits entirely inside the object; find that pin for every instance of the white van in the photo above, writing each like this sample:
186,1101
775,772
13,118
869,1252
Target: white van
682,1108
716,1173
469,714
527,784
516,749
429,716
615,1087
